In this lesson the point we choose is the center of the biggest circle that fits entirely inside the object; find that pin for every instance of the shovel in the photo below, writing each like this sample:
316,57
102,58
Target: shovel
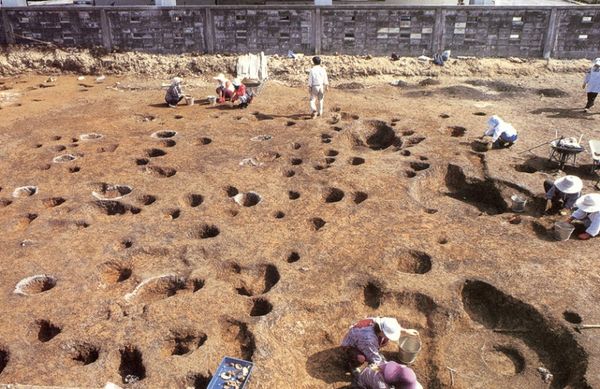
580,327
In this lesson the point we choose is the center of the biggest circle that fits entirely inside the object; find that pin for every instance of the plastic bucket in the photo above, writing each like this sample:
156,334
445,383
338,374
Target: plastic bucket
189,100
212,100
563,230
410,345
518,203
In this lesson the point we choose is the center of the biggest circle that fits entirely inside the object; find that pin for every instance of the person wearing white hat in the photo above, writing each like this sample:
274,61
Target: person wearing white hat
591,84
503,134
240,93
588,212
225,88
562,193
174,93
366,337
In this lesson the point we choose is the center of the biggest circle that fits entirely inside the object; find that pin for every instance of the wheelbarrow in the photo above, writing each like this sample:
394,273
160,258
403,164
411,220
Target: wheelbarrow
562,153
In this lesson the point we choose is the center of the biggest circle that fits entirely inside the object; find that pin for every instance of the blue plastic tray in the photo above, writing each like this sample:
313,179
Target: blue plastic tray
226,365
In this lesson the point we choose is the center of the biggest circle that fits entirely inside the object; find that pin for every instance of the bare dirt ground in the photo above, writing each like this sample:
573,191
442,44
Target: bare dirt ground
384,206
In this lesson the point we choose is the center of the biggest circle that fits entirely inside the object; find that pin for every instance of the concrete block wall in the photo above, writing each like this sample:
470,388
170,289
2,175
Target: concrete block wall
578,30
502,33
377,31
2,33
158,31
562,32
65,27
268,30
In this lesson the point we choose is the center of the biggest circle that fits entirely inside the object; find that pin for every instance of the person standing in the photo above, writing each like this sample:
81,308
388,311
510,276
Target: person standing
592,84
317,85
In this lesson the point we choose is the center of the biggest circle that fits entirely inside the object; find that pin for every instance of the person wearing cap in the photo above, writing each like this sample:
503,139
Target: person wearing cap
591,84
562,193
174,93
503,134
366,337
386,376
588,212
240,93
317,85
225,88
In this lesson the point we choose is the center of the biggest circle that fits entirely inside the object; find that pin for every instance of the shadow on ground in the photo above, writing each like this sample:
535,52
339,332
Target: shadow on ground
328,365
564,113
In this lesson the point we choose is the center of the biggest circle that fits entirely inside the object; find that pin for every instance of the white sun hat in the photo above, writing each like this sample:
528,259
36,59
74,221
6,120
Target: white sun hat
597,61
236,82
493,121
220,77
176,80
390,327
589,203
569,184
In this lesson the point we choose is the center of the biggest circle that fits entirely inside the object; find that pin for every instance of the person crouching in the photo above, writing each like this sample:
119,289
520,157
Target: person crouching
225,88
503,134
240,93
366,337
562,193
588,212
174,93
386,376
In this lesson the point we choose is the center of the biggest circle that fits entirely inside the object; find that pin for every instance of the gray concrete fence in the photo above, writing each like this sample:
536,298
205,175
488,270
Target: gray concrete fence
559,32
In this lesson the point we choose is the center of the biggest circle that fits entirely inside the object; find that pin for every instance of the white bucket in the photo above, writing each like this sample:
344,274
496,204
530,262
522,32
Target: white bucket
189,100
410,345
212,100
563,230
518,203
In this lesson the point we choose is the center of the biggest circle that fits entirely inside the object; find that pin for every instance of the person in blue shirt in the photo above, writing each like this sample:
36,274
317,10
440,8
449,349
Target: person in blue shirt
174,93
562,193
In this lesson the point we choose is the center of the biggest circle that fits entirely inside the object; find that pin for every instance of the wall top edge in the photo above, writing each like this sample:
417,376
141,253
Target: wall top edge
301,7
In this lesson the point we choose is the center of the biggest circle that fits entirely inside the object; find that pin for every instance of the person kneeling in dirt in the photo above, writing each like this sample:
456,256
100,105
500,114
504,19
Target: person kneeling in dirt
240,93
387,375
503,134
588,212
174,93
366,337
562,193
225,89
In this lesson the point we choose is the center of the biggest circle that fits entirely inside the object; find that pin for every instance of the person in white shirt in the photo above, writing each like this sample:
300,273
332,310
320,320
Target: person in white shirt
588,211
503,134
591,84
317,85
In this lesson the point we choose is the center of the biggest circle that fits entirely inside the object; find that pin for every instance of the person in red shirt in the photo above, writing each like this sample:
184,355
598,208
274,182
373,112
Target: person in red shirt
240,93
225,88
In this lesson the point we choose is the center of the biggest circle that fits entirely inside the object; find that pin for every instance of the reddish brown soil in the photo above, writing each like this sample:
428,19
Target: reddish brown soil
411,223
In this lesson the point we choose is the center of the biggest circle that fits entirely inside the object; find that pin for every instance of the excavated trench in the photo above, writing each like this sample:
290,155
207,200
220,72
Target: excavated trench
483,194
554,343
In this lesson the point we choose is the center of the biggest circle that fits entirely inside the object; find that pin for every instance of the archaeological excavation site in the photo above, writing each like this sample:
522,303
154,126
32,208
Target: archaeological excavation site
142,244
